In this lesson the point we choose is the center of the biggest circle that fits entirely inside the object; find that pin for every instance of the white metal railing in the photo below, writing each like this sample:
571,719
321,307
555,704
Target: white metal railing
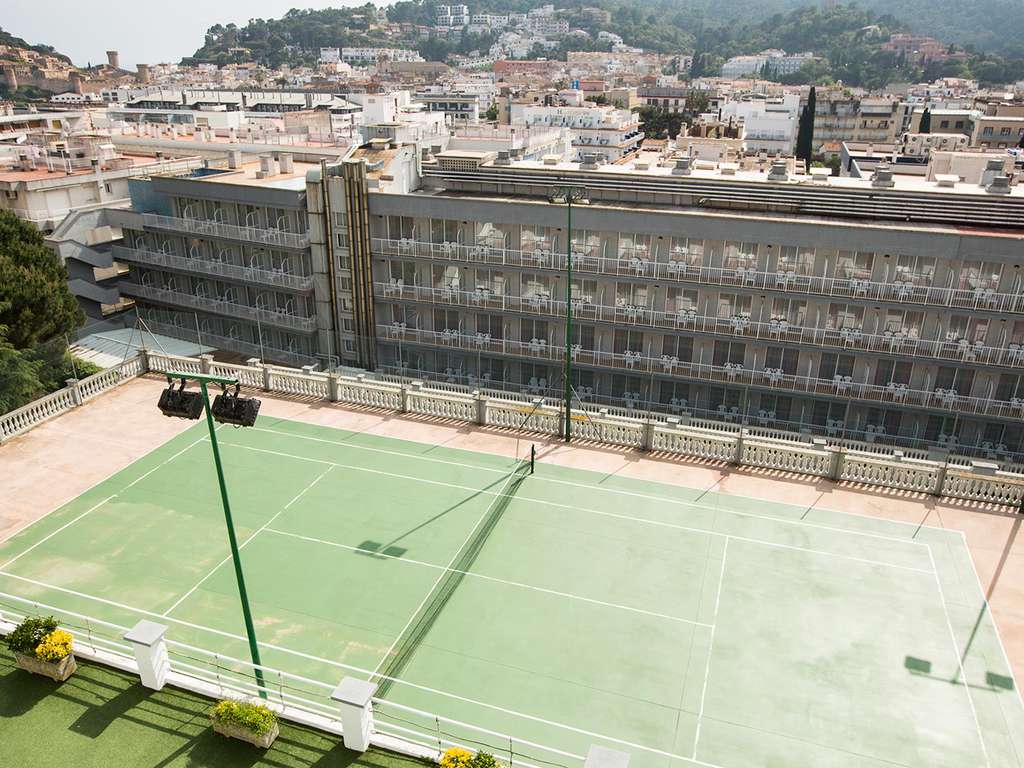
729,373
213,268
676,267
295,697
688,321
227,231
219,306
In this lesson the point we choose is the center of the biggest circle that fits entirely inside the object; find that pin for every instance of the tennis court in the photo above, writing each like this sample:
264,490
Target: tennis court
563,607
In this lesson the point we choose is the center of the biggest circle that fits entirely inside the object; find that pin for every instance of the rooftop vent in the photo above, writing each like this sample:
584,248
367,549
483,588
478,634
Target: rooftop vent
1000,185
728,169
642,165
882,177
589,161
779,171
503,158
551,159
820,175
947,180
682,167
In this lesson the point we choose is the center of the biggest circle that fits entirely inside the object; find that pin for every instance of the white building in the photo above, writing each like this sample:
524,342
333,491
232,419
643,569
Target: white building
330,55
779,63
770,125
602,131
375,55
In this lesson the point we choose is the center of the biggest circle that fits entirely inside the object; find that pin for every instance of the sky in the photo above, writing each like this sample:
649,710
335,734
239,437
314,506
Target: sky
141,30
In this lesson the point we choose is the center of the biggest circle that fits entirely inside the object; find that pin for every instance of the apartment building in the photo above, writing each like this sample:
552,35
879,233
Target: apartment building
840,116
888,310
603,132
223,257
770,125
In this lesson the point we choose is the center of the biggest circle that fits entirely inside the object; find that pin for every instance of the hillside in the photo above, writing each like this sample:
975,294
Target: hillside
6,38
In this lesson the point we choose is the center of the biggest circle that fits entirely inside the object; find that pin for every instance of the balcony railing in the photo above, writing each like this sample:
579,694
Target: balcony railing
638,265
272,237
220,307
636,363
214,268
688,321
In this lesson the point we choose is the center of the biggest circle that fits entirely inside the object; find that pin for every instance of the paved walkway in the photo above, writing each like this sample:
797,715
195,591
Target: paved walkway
101,718
58,460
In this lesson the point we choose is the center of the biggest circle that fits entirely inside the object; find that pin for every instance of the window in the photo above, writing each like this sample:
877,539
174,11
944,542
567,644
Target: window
987,131
680,347
854,265
944,124
786,358
729,352
835,365
629,341
892,371
1002,132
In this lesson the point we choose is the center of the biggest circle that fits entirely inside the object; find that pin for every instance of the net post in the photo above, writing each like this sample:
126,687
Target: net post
533,456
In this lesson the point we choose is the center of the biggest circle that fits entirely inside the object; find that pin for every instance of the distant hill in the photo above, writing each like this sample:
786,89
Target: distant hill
6,38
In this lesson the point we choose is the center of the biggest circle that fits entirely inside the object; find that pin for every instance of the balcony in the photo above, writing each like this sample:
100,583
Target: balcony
852,340
220,307
637,363
212,268
271,237
638,265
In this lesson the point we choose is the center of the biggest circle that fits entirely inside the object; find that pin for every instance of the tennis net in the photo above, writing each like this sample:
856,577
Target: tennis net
457,569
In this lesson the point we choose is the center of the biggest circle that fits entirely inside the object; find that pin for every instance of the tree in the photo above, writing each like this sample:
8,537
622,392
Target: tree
36,311
805,130
926,121
35,303
491,114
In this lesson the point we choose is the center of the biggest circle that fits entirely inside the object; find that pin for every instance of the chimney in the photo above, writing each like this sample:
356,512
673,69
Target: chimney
235,159
779,171
143,75
266,167
1000,185
882,177
114,59
993,168
285,158
683,166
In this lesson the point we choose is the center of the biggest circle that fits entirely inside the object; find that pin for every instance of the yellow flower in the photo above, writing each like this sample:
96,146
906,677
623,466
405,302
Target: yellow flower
54,646
456,757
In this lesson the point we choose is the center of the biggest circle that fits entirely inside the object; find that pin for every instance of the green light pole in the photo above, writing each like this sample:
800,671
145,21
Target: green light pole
250,629
567,196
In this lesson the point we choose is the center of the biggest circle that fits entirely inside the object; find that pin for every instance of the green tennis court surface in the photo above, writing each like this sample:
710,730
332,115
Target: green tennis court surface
683,627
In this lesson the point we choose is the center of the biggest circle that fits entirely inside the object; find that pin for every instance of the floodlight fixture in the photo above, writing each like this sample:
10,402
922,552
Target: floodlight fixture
180,403
230,408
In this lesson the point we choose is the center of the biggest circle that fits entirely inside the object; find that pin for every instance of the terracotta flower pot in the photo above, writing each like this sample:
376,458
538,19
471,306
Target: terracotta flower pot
55,670
244,734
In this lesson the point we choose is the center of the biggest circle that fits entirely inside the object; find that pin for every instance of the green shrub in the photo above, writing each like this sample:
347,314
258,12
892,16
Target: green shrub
483,760
27,635
253,717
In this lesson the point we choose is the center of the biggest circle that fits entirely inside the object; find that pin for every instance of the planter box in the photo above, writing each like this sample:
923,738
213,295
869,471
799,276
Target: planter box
244,734
55,670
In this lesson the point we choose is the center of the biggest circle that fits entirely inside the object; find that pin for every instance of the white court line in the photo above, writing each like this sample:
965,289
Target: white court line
959,659
683,502
95,507
495,579
636,494
647,521
988,609
30,523
360,670
241,546
711,646
444,572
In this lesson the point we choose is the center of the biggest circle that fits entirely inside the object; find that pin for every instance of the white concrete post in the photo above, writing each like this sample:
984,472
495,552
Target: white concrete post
481,407
602,757
144,359
649,435
206,363
333,384
76,393
147,640
266,377
738,459
355,703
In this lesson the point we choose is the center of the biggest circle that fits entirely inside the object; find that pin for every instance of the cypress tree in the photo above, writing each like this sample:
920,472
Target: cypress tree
805,131
926,121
